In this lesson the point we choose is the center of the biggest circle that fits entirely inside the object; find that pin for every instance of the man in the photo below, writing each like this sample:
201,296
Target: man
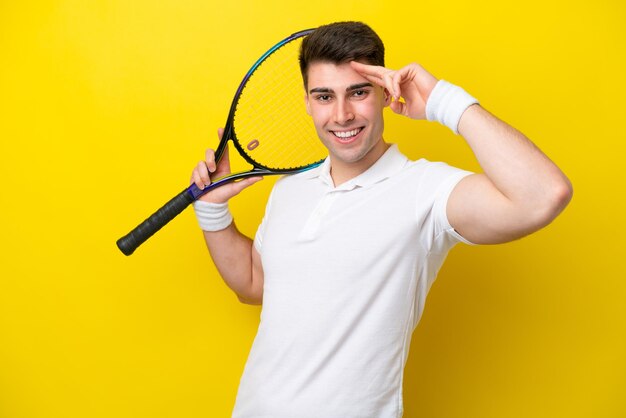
347,252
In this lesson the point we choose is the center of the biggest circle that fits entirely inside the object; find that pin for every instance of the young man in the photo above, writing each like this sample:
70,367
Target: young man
347,252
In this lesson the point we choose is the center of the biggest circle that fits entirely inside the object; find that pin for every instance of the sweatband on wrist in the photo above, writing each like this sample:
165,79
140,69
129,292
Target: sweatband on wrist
447,103
212,216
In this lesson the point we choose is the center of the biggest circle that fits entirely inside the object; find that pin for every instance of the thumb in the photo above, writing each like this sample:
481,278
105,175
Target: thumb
225,192
238,186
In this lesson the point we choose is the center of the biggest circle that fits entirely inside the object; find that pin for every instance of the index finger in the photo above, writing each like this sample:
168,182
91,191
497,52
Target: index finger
377,74
374,73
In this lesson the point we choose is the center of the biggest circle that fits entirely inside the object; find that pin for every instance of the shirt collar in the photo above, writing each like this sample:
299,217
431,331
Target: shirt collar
388,164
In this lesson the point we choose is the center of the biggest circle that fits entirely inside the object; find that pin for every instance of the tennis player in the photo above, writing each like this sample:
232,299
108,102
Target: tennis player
346,253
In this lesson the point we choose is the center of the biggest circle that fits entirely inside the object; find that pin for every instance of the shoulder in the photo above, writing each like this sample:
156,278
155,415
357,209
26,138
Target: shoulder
429,181
434,171
423,170
298,179
294,185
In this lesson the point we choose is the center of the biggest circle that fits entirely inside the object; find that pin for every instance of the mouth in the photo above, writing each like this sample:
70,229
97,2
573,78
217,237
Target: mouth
348,135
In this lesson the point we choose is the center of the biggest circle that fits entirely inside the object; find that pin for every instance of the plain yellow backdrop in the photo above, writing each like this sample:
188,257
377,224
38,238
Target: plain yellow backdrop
105,107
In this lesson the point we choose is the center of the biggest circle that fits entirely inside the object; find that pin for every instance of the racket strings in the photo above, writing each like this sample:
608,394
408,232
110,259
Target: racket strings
271,123
284,136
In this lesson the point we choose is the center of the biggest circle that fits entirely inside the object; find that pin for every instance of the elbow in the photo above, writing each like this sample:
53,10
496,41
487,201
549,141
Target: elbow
556,201
250,299
251,294
561,196
567,193
255,302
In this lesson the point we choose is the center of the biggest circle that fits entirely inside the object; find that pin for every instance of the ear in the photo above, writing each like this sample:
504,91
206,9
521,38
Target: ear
308,106
387,97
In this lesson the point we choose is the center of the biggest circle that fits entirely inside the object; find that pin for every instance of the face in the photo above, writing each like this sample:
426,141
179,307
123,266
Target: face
347,112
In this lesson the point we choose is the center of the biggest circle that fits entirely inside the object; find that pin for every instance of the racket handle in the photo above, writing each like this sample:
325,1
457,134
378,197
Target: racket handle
129,243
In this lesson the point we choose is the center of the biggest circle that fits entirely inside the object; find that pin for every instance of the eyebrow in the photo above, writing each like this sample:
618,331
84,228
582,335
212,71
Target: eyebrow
349,88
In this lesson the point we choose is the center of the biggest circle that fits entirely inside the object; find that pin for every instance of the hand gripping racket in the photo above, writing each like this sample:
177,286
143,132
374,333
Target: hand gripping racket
268,125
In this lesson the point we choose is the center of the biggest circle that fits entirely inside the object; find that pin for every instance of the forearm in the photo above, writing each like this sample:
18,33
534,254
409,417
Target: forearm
231,252
237,262
516,167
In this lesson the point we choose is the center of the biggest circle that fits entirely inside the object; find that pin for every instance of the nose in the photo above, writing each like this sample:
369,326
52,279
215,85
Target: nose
343,112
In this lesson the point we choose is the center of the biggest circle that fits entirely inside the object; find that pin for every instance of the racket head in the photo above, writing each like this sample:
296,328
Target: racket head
267,121
274,133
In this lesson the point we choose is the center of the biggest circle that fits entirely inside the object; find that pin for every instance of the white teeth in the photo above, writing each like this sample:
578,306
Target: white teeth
347,134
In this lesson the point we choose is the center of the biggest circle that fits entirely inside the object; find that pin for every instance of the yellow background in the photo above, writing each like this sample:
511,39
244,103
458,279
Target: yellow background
105,107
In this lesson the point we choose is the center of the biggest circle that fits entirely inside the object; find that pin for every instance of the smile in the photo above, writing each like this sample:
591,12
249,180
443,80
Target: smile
347,135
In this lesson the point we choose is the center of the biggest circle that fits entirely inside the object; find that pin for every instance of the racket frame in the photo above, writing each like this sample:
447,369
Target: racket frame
230,134
131,241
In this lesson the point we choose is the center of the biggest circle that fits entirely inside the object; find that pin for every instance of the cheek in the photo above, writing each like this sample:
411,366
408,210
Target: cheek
319,115
369,111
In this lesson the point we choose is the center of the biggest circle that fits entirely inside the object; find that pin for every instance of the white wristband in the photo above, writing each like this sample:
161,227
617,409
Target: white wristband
212,216
447,103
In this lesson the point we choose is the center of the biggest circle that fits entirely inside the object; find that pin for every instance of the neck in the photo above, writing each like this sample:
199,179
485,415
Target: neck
341,171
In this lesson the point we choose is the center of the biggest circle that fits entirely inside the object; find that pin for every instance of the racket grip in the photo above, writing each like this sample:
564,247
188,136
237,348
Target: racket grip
129,243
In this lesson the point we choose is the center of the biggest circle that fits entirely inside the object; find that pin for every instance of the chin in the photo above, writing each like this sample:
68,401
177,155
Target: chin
350,156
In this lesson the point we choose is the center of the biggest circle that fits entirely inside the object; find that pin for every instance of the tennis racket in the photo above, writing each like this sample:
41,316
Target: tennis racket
268,125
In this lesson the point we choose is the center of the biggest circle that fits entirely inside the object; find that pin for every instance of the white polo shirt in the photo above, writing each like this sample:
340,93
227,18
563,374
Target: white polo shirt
347,270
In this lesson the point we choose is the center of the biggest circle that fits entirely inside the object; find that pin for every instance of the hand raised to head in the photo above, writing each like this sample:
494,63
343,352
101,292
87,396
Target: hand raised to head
411,83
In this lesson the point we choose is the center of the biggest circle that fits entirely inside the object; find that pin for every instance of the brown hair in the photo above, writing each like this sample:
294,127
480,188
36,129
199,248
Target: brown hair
339,43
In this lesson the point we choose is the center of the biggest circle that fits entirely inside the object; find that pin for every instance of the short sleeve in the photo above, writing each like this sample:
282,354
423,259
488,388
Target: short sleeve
438,182
260,232
446,231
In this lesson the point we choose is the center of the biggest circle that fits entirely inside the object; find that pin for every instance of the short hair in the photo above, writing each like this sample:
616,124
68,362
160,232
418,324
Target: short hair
339,43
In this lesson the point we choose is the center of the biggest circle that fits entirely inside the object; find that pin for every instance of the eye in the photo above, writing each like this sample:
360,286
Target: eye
323,98
360,94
